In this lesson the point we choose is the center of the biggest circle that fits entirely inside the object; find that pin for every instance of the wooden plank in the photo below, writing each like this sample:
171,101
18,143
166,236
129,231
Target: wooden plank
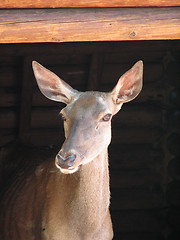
26,101
95,72
10,75
86,3
75,25
7,136
129,52
46,118
9,97
8,118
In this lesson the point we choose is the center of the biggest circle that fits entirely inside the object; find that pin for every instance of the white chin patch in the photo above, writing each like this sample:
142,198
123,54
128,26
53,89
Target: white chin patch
67,171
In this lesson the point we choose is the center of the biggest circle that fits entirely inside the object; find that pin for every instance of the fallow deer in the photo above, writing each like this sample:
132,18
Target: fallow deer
69,200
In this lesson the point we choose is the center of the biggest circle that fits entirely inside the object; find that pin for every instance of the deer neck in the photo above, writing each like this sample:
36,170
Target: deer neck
79,200
85,190
94,180
89,187
91,197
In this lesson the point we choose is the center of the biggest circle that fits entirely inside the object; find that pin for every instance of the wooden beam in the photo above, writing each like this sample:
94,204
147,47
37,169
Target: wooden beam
86,3
102,24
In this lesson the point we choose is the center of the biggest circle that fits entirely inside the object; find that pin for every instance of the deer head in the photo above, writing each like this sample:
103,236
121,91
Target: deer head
87,115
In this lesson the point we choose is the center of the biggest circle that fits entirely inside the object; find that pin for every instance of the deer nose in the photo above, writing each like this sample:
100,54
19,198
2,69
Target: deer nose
66,160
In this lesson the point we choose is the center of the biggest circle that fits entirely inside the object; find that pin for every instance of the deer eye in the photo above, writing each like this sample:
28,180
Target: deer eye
107,117
62,117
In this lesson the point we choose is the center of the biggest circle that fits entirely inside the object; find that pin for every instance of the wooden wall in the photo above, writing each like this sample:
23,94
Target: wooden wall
86,24
144,153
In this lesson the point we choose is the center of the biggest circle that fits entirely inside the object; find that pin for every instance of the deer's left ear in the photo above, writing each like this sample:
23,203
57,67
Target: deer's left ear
129,84
51,85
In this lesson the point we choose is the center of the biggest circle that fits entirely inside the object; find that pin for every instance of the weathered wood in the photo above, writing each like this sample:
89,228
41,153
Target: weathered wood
86,3
105,24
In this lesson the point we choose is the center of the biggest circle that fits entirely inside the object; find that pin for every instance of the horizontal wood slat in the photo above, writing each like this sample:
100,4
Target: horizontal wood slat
75,25
116,52
85,3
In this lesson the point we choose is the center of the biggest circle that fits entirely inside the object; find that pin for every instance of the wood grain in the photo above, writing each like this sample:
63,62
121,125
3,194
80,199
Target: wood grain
76,25
85,3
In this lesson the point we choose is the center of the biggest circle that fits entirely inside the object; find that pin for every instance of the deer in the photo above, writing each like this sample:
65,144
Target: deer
69,199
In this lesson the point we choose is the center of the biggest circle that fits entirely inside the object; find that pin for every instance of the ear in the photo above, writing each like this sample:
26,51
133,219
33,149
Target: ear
51,85
129,84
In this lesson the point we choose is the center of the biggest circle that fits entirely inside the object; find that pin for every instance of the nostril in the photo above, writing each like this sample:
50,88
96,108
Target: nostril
60,157
67,160
71,160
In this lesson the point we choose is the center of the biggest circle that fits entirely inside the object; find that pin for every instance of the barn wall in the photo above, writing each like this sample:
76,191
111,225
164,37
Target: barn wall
144,153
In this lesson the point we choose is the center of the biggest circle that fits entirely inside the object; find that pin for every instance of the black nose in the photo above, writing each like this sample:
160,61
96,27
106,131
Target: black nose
66,160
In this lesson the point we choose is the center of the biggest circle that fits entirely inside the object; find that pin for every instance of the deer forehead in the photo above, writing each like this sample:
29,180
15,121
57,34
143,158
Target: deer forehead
88,104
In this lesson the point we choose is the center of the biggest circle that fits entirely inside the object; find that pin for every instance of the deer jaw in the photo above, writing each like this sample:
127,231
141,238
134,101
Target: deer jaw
87,116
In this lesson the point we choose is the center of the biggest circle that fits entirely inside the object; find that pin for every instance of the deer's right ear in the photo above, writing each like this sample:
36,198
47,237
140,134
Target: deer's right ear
51,85
129,84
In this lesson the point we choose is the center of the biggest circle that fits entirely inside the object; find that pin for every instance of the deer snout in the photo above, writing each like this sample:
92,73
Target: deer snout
65,160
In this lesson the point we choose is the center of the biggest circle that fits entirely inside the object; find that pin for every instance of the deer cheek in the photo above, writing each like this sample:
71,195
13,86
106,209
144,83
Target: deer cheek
97,126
